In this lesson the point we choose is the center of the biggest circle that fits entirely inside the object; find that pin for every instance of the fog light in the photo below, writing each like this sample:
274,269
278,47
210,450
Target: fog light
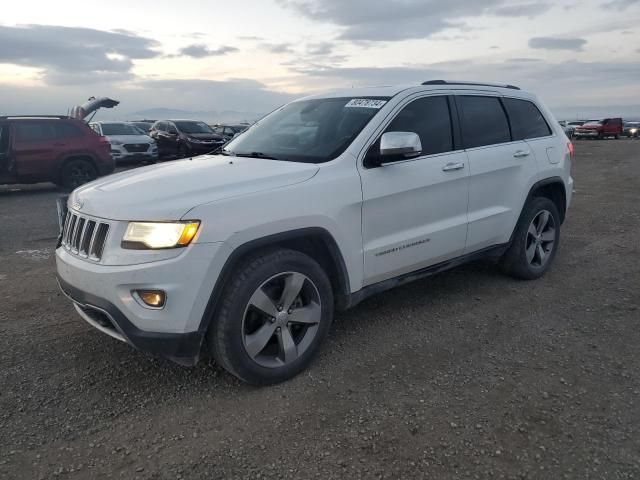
152,298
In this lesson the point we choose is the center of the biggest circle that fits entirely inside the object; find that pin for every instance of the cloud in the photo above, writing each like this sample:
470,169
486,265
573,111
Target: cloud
521,10
389,20
64,54
277,48
619,4
321,48
199,50
556,43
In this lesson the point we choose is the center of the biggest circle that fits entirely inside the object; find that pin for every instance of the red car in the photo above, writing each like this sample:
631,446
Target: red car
609,127
55,149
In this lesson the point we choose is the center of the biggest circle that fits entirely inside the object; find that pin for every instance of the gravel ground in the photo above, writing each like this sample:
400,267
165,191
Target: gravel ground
467,374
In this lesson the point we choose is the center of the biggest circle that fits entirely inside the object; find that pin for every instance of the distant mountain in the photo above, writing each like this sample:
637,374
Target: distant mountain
226,116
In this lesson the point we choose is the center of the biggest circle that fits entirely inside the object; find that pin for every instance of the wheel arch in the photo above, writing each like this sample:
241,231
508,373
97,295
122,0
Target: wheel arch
552,188
57,173
316,242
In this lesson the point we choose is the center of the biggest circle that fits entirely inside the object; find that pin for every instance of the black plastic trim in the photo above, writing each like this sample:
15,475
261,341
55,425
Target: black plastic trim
368,291
542,183
181,348
342,299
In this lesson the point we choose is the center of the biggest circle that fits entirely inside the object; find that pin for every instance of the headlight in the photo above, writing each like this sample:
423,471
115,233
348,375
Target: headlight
116,142
150,235
633,130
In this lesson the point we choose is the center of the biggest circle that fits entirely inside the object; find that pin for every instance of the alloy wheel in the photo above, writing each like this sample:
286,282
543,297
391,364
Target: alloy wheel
281,319
541,238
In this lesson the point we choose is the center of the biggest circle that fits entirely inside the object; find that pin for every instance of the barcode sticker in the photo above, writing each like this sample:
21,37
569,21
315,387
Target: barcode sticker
365,103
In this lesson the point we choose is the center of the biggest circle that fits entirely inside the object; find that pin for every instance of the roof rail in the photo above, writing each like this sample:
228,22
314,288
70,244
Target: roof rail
32,116
475,84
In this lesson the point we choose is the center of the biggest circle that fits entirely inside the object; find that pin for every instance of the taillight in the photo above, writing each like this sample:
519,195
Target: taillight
571,150
103,140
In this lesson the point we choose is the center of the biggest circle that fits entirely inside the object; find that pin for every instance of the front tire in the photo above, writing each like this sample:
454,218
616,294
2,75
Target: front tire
535,241
273,315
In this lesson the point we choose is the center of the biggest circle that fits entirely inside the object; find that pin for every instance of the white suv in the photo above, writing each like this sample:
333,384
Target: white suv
322,203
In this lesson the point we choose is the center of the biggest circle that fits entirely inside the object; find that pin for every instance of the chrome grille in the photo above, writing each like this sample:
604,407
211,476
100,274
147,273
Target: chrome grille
84,237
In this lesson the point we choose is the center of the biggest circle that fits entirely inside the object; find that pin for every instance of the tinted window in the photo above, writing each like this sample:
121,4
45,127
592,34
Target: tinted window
193,127
120,129
33,131
483,121
4,138
428,117
64,130
526,120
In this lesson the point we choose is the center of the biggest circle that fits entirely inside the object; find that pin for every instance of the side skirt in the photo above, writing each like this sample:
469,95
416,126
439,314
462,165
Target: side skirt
368,291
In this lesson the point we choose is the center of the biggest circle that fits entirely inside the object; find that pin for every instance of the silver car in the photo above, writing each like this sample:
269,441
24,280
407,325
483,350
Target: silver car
128,142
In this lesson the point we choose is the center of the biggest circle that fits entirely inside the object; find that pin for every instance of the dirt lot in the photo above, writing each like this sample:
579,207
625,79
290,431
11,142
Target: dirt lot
467,374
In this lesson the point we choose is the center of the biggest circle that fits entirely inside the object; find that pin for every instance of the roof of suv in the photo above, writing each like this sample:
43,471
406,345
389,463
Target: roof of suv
392,90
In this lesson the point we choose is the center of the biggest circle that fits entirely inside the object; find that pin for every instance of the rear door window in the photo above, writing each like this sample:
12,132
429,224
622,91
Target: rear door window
483,121
429,117
526,120
31,131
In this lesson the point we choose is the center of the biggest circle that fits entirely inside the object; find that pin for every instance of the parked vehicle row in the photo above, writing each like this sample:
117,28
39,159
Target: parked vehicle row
128,142
600,128
608,127
185,138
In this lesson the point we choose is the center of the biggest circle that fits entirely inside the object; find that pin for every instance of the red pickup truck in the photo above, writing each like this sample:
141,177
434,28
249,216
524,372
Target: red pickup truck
608,127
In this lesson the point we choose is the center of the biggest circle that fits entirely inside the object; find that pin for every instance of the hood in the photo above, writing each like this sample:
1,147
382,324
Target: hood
167,191
590,126
129,138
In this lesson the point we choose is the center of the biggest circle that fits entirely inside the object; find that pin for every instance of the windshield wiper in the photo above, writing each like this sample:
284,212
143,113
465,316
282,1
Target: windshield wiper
258,155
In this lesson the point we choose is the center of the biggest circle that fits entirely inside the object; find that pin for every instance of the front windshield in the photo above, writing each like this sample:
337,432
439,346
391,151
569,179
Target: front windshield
120,129
312,131
193,127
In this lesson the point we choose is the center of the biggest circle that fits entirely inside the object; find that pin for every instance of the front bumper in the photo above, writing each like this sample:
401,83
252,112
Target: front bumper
103,296
182,348
121,154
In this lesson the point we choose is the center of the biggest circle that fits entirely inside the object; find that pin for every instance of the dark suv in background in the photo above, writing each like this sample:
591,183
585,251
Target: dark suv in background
54,149
184,138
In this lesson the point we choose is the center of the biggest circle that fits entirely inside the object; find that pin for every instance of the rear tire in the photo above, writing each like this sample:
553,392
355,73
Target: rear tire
77,172
274,313
535,241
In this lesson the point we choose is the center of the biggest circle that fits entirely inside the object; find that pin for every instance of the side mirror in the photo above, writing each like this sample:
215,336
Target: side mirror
399,145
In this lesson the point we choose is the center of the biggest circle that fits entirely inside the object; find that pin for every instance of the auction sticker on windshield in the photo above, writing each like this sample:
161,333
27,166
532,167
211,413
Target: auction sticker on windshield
365,103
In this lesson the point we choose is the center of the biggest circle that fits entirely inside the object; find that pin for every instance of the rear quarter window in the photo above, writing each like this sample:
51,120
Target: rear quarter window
66,130
526,120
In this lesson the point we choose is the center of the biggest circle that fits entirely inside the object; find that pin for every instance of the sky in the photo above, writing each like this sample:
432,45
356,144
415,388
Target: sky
254,55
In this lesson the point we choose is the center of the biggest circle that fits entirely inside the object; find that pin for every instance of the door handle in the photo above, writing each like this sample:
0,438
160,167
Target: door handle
522,153
449,167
